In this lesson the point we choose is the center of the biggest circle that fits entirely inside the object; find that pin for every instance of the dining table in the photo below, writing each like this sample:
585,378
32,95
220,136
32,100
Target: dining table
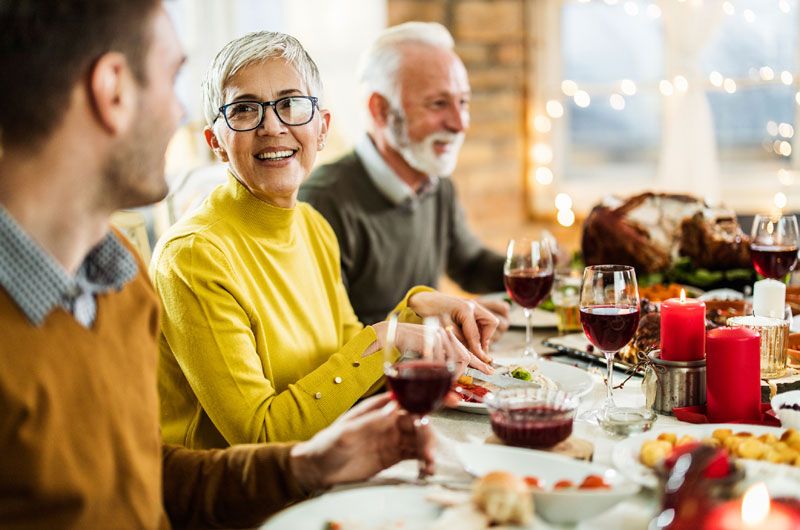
454,426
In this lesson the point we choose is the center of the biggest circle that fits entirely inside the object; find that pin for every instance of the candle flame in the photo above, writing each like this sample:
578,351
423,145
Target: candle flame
755,505
683,296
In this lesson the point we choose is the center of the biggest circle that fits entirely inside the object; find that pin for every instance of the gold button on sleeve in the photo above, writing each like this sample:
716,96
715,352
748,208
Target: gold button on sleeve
318,395
337,379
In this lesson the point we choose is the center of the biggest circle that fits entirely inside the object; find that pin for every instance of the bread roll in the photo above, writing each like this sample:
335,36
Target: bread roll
504,497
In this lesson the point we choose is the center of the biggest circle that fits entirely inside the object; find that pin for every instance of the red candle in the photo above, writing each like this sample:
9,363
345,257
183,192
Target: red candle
683,329
753,512
733,375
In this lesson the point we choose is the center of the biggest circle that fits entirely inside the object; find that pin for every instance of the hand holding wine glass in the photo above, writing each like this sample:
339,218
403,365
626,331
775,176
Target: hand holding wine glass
421,377
773,245
528,277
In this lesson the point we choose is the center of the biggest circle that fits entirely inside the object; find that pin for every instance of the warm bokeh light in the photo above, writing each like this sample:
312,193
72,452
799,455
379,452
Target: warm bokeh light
766,73
787,78
666,87
563,201
542,154
772,128
681,83
628,87
544,176
653,11
785,177
786,149
786,130
569,87
749,16
631,8
728,8
716,78
582,98
542,124
565,217
617,102
554,109
729,85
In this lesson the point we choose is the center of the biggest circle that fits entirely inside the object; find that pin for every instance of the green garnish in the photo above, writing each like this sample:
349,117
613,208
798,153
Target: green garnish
521,373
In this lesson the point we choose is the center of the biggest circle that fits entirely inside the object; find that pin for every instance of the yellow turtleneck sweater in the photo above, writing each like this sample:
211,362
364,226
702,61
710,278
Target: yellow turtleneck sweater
259,341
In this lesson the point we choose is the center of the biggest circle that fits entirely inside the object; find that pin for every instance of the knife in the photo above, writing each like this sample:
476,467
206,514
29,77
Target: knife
502,381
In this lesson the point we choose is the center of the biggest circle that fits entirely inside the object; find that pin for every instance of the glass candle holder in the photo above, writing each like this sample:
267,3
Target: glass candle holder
774,342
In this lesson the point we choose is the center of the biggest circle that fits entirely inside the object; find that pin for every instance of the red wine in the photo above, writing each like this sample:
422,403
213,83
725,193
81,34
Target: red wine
419,386
537,426
528,287
773,261
609,328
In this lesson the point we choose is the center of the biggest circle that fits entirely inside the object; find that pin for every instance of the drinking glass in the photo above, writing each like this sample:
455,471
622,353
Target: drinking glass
609,308
528,277
773,245
419,379
566,296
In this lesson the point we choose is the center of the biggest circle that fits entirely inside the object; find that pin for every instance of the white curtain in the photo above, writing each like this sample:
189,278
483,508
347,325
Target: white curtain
688,160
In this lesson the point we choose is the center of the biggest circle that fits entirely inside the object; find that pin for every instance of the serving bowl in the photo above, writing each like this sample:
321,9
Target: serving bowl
561,506
531,417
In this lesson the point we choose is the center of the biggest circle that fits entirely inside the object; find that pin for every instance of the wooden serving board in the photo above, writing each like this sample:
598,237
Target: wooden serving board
576,448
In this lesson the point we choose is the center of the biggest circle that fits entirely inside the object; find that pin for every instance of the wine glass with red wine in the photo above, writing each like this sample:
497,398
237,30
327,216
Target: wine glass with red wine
421,378
609,313
773,245
528,277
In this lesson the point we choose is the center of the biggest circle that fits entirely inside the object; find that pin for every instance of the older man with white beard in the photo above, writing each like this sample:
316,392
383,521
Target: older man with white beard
393,209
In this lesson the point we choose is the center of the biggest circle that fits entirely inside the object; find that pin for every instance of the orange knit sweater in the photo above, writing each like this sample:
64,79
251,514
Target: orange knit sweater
79,435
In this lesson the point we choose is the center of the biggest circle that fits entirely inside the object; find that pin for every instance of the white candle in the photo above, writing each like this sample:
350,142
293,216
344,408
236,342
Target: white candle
769,298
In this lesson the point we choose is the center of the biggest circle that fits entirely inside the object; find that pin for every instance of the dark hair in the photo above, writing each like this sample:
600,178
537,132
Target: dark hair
47,46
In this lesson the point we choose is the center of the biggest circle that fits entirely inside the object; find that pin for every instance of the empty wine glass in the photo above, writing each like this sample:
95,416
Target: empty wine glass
609,308
528,277
773,245
419,378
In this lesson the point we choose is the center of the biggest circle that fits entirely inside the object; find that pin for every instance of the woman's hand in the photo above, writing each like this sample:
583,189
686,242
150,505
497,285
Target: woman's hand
411,337
370,437
472,323
500,309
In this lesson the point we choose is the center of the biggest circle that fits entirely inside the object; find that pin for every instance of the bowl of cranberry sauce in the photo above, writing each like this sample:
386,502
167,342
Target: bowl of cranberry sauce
531,417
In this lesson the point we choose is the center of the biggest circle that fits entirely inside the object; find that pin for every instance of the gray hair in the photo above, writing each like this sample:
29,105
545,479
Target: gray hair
253,48
378,67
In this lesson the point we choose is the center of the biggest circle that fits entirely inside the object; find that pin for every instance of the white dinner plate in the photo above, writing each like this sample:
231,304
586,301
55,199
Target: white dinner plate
625,455
376,507
568,378
561,506
541,319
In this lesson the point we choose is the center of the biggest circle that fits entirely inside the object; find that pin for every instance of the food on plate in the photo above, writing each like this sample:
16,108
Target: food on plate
679,236
590,482
717,467
767,447
521,373
473,390
659,292
504,497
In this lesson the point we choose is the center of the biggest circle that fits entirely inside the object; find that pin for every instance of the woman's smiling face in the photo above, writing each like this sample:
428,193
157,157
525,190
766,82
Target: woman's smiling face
274,159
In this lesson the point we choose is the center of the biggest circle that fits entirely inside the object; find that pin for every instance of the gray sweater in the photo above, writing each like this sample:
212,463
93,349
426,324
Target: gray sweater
387,248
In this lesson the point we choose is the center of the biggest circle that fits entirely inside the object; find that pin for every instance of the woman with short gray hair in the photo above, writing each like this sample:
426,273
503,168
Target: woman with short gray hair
259,341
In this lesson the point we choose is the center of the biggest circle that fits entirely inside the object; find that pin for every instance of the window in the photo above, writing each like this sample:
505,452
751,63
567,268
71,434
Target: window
689,95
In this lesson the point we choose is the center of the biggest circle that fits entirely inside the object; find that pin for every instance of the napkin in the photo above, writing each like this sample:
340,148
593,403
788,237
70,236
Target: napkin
697,414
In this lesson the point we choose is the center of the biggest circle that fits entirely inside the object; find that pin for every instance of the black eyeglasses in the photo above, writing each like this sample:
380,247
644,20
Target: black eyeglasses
248,115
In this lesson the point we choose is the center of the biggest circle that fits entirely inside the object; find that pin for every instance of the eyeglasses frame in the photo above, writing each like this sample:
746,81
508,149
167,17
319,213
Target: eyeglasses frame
264,104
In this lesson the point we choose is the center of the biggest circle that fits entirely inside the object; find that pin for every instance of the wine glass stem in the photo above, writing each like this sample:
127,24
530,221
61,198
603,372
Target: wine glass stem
419,423
609,377
529,350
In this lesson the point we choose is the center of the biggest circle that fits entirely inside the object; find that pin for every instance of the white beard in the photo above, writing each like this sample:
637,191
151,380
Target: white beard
421,155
